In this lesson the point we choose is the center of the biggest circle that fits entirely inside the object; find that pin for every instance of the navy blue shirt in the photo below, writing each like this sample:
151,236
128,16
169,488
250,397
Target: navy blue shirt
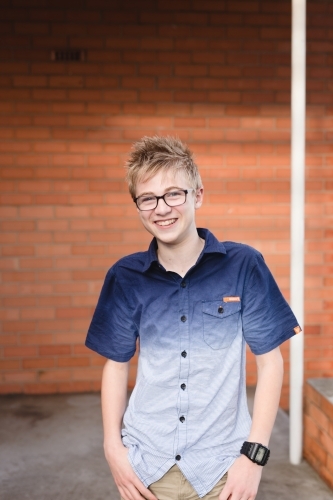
189,403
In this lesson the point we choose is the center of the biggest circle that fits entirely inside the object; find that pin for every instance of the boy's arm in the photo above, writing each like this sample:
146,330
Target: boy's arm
114,400
244,476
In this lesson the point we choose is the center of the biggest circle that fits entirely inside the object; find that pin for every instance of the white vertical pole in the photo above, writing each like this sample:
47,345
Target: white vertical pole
298,106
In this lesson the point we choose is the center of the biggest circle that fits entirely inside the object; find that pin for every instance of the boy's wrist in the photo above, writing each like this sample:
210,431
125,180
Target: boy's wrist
113,446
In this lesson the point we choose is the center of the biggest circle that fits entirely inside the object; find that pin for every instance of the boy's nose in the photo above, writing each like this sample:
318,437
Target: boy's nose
162,207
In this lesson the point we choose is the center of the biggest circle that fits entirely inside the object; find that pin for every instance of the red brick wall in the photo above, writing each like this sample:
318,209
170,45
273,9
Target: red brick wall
217,74
318,433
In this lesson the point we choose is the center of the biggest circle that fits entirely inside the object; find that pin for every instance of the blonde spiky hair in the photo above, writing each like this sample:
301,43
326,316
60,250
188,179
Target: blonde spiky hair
152,154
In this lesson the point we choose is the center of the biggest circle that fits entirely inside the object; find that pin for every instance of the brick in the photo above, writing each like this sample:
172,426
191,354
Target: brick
35,339
68,135
40,313
173,5
208,135
313,452
20,351
18,250
49,95
6,160
88,374
46,15
50,147
29,81
53,225
35,263
31,28
87,250
20,376
13,67
18,146
89,301
79,386
100,361
72,237
72,263
15,121
38,363
319,417
66,81
174,83
77,147
54,350
54,375
88,275
72,312
329,464
191,70
32,133
326,475
141,108
73,362
326,405
41,388
68,107
310,427
156,43
10,364
310,392
7,186
326,441
8,238
11,388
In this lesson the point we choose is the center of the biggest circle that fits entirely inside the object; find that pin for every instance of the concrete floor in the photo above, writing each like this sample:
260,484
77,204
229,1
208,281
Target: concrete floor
51,448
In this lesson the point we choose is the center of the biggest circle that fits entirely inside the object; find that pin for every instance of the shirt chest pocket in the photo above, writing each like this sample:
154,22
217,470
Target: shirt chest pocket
220,323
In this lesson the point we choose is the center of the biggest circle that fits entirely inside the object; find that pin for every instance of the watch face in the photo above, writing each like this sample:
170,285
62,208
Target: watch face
260,454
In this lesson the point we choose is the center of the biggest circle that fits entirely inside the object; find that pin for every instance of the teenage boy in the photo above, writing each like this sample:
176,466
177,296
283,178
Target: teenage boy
192,303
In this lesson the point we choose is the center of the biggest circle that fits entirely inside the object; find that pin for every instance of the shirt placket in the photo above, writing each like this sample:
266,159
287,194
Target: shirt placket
184,344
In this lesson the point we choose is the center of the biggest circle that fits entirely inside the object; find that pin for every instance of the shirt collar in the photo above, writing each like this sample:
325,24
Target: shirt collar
212,245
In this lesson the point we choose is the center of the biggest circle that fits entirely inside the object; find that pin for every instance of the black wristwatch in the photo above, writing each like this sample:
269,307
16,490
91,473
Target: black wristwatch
256,452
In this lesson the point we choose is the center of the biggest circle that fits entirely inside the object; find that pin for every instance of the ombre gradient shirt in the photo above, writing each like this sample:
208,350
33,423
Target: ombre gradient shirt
189,403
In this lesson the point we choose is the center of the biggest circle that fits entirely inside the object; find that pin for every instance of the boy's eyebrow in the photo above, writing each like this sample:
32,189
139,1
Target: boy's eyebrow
167,189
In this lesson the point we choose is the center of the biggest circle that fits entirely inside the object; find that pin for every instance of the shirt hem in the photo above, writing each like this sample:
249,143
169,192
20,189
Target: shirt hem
275,344
106,354
204,490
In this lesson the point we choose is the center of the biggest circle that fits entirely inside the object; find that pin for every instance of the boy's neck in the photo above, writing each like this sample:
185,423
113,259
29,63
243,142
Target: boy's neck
180,257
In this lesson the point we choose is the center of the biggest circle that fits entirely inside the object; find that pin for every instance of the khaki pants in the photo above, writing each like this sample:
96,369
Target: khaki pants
174,486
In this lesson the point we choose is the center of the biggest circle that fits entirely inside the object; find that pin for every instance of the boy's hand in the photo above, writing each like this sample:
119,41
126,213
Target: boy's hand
243,480
129,485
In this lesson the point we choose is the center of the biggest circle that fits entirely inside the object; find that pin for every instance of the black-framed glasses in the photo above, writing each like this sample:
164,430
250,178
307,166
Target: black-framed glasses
171,198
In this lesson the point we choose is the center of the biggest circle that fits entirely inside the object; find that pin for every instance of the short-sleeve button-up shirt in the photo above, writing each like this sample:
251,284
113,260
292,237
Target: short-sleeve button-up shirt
189,403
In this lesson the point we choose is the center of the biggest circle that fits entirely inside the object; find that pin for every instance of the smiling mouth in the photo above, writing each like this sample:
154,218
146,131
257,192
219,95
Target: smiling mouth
164,223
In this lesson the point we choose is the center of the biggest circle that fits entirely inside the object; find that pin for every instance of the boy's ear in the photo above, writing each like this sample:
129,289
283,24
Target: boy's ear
199,197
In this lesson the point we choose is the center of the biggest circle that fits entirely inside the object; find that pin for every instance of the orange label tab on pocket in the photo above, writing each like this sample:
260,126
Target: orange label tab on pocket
231,299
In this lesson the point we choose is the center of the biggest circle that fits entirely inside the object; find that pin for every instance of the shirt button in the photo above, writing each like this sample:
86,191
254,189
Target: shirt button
178,457
182,419
184,354
220,310
183,319
183,386
183,284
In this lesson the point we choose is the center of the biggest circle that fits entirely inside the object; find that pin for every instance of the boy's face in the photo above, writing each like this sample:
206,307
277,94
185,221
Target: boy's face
170,225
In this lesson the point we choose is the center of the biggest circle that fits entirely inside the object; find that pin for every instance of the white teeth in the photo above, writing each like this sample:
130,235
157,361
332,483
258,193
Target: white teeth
165,222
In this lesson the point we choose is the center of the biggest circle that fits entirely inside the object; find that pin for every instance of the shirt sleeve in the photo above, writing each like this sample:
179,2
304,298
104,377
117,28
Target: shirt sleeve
112,332
268,320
